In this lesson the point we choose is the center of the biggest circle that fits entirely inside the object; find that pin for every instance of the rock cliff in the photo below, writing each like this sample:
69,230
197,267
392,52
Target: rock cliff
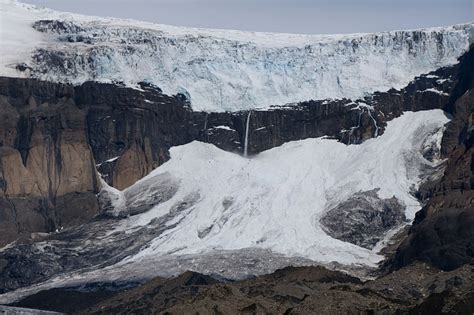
55,136
442,233
46,165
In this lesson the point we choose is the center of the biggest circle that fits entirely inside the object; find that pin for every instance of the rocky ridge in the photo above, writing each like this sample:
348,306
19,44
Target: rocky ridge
416,289
442,232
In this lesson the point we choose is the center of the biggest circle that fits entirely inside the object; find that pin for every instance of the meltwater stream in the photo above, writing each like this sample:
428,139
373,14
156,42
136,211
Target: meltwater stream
246,141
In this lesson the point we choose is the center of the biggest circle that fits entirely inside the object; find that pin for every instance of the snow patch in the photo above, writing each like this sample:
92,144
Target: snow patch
223,127
433,90
112,159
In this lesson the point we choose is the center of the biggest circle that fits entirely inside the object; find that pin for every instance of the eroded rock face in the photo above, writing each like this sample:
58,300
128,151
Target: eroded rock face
131,131
363,219
133,164
52,136
44,158
443,232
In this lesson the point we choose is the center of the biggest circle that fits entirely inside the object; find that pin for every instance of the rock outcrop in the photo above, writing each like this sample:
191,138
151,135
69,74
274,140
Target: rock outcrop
416,289
363,219
45,160
442,233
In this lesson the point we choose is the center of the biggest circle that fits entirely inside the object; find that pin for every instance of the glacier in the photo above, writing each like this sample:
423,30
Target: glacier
220,213
274,200
219,70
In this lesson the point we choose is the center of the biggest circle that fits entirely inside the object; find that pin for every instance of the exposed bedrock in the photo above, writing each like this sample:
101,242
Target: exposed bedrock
118,116
53,136
443,232
363,219
45,160
131,131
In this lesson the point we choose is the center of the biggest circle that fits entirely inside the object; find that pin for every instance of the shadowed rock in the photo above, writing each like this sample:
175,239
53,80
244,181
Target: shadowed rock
363,219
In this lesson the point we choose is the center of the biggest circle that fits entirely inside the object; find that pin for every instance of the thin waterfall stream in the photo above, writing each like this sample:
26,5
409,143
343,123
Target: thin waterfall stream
246,141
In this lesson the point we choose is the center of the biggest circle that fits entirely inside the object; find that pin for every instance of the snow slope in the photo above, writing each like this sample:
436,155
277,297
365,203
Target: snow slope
221,70
220,213
274,200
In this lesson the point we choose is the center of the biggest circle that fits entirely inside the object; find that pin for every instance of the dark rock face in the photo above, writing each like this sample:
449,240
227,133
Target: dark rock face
363,219
140,126
443,232
22,217
53,135
45,160
38,261
137,128
67,301
56,26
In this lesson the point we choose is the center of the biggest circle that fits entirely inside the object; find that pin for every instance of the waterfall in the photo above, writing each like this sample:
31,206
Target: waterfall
205,121
375,123
246,141
205,128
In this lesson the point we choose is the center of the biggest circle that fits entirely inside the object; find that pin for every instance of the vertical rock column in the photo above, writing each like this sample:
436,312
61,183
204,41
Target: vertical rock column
47,171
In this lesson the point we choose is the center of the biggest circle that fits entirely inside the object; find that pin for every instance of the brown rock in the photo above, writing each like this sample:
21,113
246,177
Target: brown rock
44,156
18,181
135,163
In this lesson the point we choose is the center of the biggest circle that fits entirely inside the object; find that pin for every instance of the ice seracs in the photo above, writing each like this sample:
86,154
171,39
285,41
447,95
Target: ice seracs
220,70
